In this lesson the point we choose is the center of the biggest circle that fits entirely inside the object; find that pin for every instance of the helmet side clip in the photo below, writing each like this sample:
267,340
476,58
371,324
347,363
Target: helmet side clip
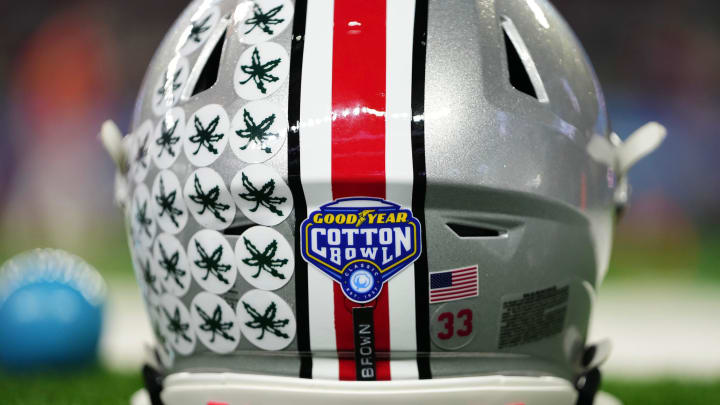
117,148
639,144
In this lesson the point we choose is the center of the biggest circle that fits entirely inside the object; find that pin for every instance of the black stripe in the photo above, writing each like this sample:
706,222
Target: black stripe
364,328
301,268
417,128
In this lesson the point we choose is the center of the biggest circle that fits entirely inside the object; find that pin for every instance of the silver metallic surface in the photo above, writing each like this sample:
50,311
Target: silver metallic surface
247,358
495,157
499,158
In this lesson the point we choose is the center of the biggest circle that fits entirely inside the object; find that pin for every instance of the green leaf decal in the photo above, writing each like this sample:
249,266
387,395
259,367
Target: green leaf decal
211,263
142,152
263,197
199,27
205,136
265,260
266,322
214,324
263,20
167,140
147,275
143,220
170,265
173,83
167,204
176,326
260,72
209,200
257,133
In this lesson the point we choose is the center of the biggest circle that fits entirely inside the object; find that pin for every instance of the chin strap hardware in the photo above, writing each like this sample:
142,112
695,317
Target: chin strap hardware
117,147
621,156
588,383
588,386
639,144
153,384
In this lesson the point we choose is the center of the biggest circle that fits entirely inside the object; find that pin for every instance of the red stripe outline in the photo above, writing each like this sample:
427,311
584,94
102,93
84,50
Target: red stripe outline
358,145
462,291
464,269
470,270
466,293
454,288
464,287
464,272
463,278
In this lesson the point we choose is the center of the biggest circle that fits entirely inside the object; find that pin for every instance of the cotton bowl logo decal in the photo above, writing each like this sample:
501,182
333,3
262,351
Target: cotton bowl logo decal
361,243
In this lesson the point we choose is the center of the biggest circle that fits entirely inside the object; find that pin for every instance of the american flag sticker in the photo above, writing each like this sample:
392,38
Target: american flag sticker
451,285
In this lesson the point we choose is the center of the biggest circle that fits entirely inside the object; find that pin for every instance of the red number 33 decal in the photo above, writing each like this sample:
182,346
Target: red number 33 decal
465,318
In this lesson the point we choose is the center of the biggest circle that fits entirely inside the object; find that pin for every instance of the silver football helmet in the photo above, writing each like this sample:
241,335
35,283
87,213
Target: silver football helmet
396,201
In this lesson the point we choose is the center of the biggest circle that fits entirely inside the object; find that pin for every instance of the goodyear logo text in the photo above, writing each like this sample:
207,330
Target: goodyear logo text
361,243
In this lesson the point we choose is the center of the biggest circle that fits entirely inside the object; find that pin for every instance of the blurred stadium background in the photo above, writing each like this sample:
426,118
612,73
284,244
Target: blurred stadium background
65,66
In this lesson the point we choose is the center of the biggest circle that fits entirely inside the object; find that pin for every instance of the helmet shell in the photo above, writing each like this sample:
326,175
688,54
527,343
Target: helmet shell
509,187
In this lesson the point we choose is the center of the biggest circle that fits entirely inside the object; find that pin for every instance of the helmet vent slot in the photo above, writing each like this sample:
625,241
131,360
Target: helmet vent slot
209,74
519,77
237,230
522,72
474,231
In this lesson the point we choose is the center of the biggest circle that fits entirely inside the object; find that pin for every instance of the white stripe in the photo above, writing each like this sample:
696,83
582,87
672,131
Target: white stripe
464,275
403,369
325,368
455,287
463,278
449,293
454,296
456,279
454,293
465,286
399,173
445,295
456,283
398,147
456,290
315,142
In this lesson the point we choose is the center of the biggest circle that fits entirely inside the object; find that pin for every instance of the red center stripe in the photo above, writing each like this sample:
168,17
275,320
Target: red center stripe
358,145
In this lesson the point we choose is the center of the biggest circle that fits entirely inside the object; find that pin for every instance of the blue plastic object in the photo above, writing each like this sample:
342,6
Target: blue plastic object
50,312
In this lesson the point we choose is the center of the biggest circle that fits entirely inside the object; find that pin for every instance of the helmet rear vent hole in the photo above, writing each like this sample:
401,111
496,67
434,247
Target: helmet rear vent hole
522,71
237,230
209,74
519,77
474,231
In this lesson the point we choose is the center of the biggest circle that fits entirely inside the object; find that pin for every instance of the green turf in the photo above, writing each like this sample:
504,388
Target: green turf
105,248
76,388
102,387
665,392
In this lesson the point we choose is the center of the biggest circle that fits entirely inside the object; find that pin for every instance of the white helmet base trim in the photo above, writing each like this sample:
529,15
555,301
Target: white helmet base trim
542,390
203,388
141,397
